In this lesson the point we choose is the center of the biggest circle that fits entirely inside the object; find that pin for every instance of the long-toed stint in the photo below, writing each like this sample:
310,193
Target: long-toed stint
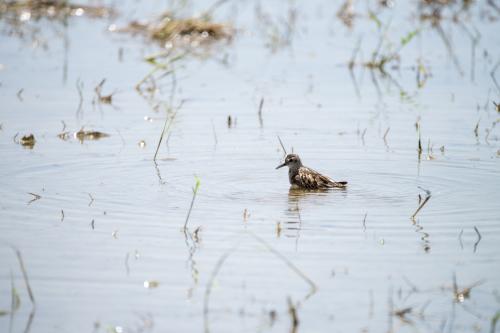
305,178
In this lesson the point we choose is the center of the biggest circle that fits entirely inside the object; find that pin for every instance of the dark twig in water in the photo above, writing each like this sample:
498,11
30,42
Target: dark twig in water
91,199
15,301
215,133
460,239
385,135
494,321
292,310
287,262
19,94
390,305
223,258
479,237
413,287
195,191
210,284
36,197
25,275
79,88
282,146
92,224
104,99
364,222
363,136
62,215
261,105
422,204
449,47
355,52
212,8
161,181
474,36
166,128
493,77
495,104
419,147
127,267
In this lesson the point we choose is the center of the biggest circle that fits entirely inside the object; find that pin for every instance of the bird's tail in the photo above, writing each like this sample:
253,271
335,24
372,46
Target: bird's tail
339,184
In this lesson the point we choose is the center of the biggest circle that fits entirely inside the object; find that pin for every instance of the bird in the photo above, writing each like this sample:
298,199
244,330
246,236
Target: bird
302,177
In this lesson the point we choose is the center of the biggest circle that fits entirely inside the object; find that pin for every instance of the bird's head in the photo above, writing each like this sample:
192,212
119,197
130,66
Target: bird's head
292,161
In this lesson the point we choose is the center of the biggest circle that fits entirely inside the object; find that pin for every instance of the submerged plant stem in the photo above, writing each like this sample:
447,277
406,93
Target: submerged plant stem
421,205
195,191
166,128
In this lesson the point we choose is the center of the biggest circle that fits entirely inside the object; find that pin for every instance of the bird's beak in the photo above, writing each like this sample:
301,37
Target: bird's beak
281,165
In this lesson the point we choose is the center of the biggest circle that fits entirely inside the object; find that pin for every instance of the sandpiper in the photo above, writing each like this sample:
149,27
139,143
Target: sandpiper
305,178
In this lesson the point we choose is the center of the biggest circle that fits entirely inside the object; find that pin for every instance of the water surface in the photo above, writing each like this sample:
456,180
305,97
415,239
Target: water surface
109,218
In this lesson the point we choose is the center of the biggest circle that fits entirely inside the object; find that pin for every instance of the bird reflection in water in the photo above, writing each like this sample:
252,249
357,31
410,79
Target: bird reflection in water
297,199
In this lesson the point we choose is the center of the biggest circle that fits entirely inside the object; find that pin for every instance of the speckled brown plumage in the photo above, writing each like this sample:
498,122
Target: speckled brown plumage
306,178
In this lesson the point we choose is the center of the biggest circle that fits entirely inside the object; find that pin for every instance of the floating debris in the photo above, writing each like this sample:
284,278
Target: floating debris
402,313
27,19
196,235
278,31
278,229
346,13
151,284
117,329
171,31
292,310
103,99
142,144
83,135
34,10
35,197
28,141
460,295
64,136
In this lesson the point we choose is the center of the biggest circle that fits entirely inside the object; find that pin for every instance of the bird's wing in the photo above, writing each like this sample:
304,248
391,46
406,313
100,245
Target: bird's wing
311,179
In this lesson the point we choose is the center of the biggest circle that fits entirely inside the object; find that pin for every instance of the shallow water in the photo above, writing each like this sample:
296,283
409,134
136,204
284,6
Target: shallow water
359,246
